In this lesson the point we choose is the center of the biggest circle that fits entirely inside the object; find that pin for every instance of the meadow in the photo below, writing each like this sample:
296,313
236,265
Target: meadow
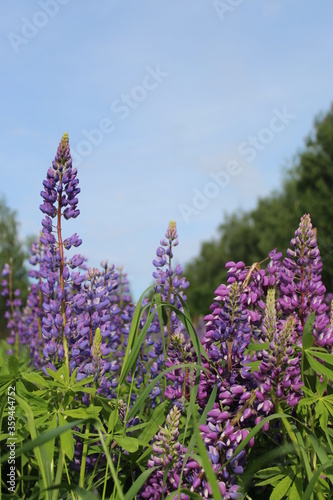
105,399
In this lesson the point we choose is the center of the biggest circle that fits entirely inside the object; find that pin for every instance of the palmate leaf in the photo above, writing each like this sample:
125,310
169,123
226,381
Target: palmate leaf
128,443
318,367
5,382
13,365
90,411
324,356
271,475
66,438
322,413
281,489
296,490
321,386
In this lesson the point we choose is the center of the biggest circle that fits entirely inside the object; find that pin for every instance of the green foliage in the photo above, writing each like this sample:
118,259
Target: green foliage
249,236
49,417
296,470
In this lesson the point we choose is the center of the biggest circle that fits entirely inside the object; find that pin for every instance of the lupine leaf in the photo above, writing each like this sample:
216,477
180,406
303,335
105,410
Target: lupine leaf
281,489
13,365
296,490
322,413
66,438
319,368
321,386
36,379
324,356
130,444
113,419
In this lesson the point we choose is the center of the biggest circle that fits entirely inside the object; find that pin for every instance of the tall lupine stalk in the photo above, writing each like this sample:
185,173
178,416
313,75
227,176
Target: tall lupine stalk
253,341
60,201
96,309
169,282
257,306
167,452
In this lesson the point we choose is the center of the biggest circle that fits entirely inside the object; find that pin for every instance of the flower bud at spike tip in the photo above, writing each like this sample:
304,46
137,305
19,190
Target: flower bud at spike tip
172,231
269,323
96,348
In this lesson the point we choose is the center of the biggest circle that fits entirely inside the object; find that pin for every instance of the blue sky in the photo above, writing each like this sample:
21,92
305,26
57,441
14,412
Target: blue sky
178,110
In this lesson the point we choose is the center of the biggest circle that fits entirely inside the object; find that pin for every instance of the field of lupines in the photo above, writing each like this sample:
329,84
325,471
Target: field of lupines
104,399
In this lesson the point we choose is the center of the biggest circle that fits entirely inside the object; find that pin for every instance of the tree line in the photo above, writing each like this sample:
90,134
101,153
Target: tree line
249,235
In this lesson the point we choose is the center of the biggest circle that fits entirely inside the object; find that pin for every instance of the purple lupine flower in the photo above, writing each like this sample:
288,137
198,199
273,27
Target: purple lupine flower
167,451
302,290
171,284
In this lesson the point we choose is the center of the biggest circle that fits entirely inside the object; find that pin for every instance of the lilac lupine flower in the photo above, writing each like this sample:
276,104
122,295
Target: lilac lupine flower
169,282
301,287
179,352
279,372
59,200
166,450
94,310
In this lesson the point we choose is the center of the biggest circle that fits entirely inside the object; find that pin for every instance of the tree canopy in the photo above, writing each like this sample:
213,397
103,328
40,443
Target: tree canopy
249,236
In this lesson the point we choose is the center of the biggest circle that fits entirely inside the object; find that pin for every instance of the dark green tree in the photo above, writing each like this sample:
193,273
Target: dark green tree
11,248
249,236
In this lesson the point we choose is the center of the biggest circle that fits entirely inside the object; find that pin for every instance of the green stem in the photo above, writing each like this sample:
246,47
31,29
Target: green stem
60,466
289,429
105,482
62,282
84,456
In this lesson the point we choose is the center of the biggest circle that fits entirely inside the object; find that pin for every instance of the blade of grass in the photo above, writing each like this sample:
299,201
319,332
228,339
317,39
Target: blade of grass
111,466
40,452
143,395
206,463
135,488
